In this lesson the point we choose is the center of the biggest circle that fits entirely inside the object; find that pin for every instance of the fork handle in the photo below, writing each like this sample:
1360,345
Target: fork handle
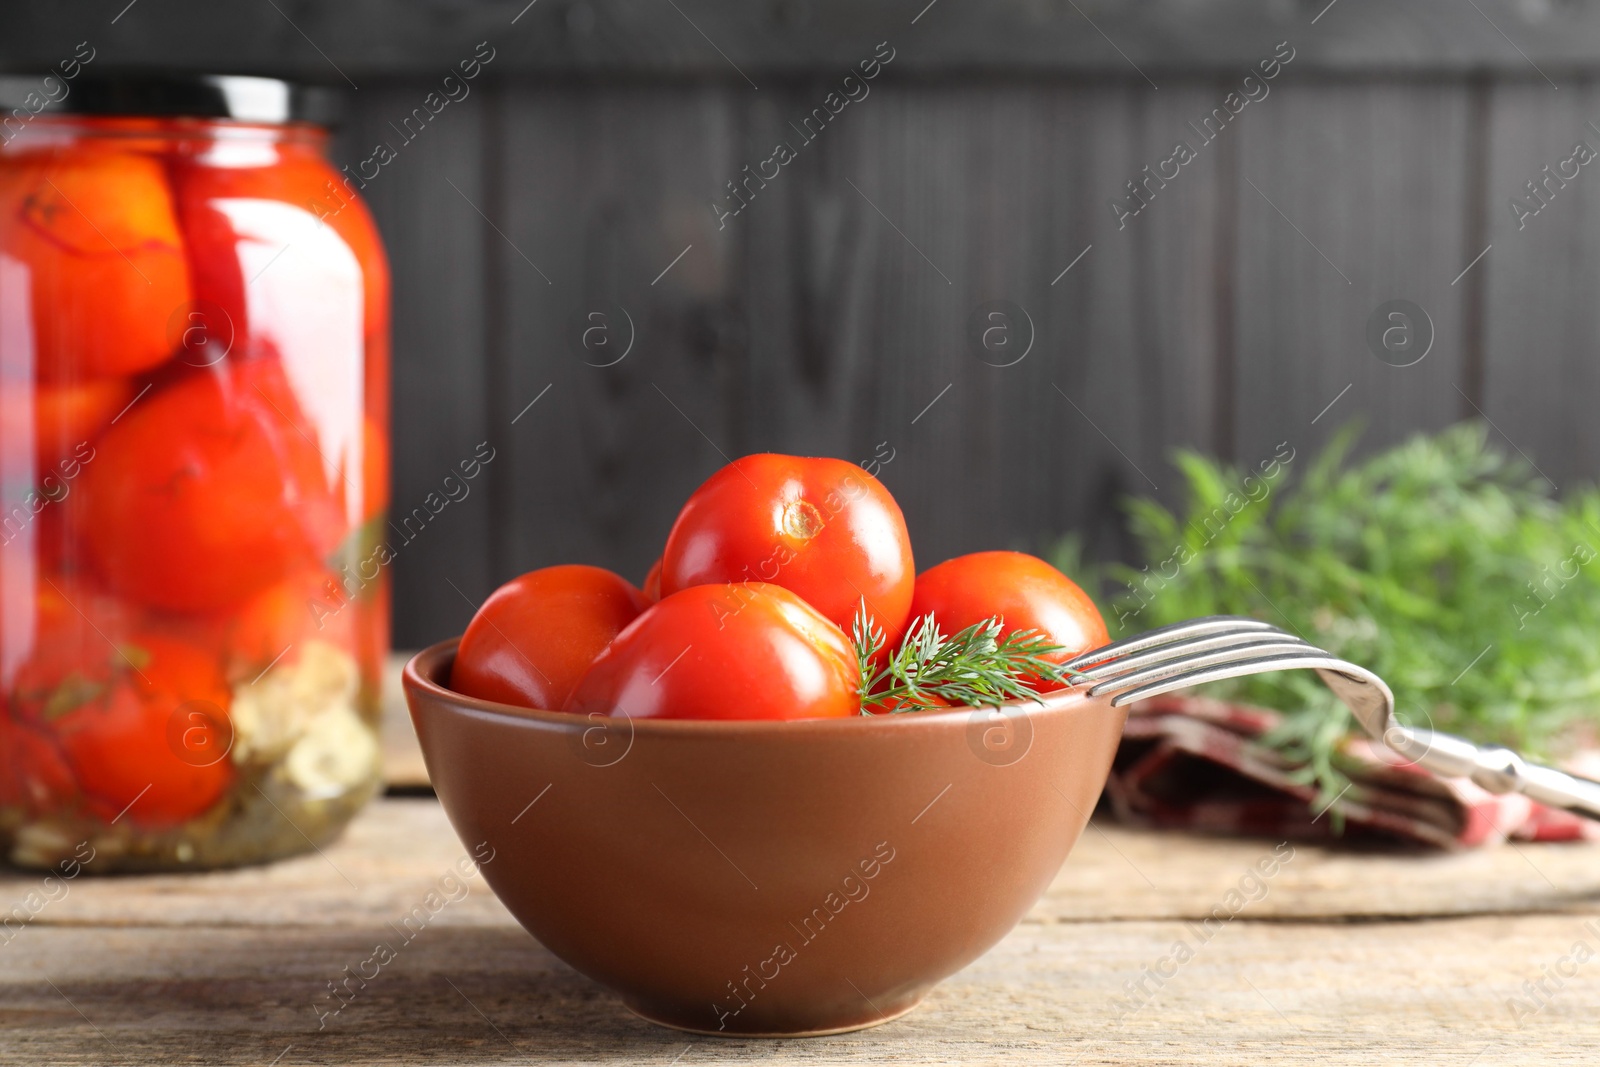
1493,767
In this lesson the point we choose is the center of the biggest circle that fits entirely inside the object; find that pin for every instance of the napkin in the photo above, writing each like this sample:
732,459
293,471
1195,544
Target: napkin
1199,764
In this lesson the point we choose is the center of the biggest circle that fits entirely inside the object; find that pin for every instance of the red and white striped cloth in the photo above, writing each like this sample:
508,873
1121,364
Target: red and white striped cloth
1199,764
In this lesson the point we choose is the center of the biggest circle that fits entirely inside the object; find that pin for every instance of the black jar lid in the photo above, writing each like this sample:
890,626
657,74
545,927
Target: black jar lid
206,96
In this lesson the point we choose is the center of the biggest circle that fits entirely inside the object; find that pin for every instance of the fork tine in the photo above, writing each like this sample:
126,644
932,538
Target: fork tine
1184,647
1208,670
1213,624
1182,669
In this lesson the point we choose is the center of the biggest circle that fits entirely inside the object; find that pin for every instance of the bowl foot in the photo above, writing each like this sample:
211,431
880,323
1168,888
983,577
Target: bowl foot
733,1031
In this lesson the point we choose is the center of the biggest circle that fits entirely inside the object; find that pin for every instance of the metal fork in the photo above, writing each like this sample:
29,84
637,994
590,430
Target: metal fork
1227,646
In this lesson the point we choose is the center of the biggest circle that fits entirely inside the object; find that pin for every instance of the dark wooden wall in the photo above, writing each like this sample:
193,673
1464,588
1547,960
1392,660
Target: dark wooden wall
827,317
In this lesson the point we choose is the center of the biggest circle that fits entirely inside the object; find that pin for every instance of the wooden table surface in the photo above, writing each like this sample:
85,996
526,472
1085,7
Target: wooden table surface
1340,957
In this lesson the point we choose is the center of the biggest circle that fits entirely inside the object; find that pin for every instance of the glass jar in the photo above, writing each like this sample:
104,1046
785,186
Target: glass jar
194,317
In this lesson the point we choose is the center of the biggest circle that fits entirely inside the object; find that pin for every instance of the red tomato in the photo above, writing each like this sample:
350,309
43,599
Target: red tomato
308,605
822,528
65,416
33,775
123,731
1025,591
652,582
208,490
284,271
96,229
72,627
239,213
534,637
746,651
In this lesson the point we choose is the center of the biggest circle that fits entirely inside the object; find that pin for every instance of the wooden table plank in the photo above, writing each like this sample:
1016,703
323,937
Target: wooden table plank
371,39
1118,872
426,203
225,967
1541,321
402,754
1316,264
597,471
1279,992
400,847
234,967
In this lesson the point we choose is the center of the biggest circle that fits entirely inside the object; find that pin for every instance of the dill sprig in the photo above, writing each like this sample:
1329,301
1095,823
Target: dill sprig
978,667
1444,564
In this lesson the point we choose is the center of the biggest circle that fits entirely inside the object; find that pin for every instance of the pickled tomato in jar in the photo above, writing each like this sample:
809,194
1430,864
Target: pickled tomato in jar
194,317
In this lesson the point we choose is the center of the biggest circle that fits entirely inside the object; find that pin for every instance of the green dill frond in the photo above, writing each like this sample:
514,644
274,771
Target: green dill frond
976,667
1444,564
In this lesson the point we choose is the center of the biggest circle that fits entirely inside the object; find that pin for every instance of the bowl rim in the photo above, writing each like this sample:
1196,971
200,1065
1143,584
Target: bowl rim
417,672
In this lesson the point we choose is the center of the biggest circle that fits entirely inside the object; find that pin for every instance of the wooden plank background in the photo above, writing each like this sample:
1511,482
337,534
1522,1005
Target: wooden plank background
833,314
1342,958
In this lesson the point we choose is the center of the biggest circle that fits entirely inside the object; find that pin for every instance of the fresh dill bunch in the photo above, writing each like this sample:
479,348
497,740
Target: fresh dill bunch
1443,564
977,667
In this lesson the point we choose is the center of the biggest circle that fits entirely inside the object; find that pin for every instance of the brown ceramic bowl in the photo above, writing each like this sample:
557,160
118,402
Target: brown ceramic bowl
763,878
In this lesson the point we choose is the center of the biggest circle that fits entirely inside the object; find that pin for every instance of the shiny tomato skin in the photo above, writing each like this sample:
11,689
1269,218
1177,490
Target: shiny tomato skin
96,229
1025,591
652,582
288,266
535,636
823,528
289,187
208,490
747,651
118,742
